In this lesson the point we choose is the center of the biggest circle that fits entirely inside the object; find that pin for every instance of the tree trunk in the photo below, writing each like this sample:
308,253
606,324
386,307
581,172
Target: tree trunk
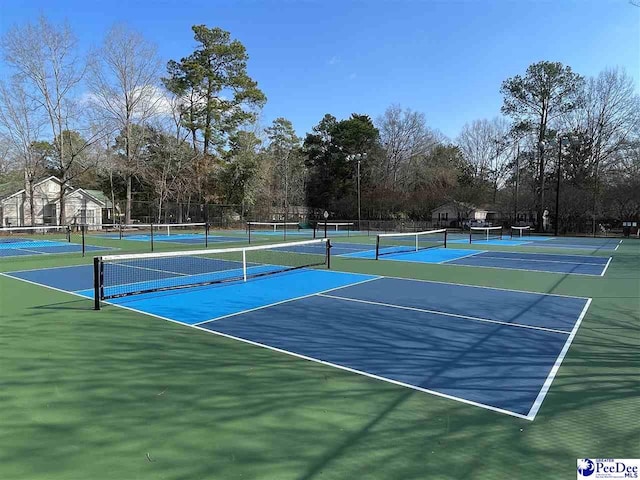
113,199
62,215
29,197
541,194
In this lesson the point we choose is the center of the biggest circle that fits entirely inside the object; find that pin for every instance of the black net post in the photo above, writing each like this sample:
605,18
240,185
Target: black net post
328,254
377,245
98,277
325,228
445,239
249,231
151,225
120,229
67,233
83,229
206,234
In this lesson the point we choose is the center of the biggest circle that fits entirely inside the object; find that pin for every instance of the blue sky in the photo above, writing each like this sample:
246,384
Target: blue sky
446,59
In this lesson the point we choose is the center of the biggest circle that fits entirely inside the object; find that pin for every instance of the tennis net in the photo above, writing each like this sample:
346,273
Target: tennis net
160,229
478,234
272,226
322,229
188,233
390,243
123,275
519,232
37,234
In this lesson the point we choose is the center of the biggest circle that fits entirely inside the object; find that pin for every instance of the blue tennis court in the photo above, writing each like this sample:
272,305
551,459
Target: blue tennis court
491,348
18,247
537,262
189,238
577,243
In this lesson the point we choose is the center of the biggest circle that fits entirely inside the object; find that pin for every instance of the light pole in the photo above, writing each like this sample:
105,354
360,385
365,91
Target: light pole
515,203
358,157
560,139
540,189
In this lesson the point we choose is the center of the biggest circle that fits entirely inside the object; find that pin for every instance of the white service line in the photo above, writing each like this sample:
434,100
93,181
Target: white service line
437,312
464,256
147,268
215,319
523,259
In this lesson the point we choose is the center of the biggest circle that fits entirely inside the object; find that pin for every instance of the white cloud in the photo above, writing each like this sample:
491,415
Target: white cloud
334,60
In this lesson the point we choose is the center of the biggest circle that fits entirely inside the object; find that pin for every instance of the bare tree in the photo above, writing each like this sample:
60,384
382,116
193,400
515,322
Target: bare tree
607,119
405,137
289,171
486,145
45,57
21,123
123,81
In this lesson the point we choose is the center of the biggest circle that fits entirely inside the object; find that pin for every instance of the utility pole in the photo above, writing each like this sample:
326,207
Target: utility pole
359,220
515,202
555,229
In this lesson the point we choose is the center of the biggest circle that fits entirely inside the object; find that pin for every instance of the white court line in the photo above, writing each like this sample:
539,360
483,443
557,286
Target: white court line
147,268
464,256
42,284
31,251
370,248
606,266
215,319
553,254
436,312
556,366
524,259
482,286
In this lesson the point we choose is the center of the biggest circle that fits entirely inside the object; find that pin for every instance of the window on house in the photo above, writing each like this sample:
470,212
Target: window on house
49,214
87,216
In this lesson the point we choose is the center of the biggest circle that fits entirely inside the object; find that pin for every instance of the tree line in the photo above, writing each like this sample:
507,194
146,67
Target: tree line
188,132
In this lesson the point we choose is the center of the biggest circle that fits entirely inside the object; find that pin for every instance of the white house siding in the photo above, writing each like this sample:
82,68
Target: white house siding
12,210
81,209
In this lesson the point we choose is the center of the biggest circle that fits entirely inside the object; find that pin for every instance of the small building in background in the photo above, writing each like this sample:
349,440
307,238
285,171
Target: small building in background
82,207
456,214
